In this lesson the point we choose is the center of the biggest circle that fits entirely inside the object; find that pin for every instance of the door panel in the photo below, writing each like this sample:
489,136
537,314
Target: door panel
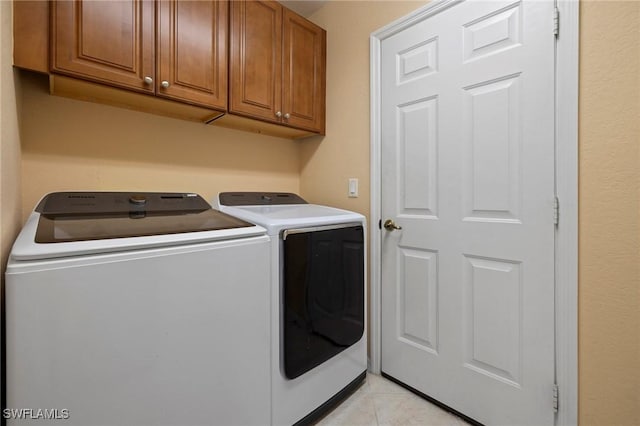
418,298
418,147
492,188
468,172
303,71
109,42
256,59
493,330
192,51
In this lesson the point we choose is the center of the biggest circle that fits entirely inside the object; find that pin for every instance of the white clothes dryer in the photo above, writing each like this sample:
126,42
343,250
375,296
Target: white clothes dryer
319,345
137,309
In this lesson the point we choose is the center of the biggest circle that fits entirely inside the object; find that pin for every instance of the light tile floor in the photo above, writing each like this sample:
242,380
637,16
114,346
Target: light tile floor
381,402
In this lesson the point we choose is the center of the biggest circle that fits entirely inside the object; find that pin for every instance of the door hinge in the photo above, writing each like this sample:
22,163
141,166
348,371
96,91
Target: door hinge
556,397
556,22
556,211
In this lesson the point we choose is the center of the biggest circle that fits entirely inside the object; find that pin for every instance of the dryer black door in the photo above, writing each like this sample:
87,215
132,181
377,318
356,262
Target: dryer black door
323,296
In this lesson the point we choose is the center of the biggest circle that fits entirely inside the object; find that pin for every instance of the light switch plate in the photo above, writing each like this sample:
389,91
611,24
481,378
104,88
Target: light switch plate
353,187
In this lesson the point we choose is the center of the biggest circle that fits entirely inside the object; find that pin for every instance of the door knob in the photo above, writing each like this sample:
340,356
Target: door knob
278,114
287,116
147,80
390,225
164,84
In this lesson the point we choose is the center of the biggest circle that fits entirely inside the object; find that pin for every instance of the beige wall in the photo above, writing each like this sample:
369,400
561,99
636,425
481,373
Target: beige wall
74,145
10,198
10,221
609,180
609,289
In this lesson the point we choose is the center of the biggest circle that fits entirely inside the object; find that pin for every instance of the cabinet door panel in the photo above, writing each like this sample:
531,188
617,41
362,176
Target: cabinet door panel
192,51
107,41
256,59
304,73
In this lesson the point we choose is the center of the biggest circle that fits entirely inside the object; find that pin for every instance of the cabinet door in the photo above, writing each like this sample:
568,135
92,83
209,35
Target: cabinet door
106,41
192,52
304,68
256,59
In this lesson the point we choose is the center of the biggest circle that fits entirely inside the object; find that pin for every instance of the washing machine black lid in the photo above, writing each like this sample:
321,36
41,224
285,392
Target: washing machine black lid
82,216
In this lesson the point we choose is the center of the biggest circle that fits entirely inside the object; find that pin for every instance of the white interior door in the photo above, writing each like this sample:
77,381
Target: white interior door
468,173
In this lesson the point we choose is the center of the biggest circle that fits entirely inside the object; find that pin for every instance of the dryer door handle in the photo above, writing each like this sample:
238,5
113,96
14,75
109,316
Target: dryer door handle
285,233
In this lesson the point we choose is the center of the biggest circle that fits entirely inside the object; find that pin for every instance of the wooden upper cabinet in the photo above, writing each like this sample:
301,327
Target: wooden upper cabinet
192,51
253,58
111,42
277,65
256,59
182,55
304,68
31,35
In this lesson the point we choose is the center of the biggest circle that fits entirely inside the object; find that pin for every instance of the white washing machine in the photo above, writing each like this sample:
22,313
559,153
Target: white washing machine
319,352
137,309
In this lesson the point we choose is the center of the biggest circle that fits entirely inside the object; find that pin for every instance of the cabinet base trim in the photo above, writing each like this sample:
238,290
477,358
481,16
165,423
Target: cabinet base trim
86,91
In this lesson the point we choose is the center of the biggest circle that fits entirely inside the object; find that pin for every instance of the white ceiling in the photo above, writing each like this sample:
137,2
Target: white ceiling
303,7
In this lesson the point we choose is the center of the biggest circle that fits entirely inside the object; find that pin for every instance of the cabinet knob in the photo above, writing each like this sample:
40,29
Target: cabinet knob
278,114
286,116
147,80
164,84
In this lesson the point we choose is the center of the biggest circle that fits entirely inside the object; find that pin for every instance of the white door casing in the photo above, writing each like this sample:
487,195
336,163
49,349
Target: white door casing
467,126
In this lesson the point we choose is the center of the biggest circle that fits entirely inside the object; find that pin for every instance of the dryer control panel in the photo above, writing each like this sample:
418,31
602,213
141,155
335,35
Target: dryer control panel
259,198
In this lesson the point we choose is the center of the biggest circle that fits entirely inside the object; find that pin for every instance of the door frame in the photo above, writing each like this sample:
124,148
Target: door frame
566,234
